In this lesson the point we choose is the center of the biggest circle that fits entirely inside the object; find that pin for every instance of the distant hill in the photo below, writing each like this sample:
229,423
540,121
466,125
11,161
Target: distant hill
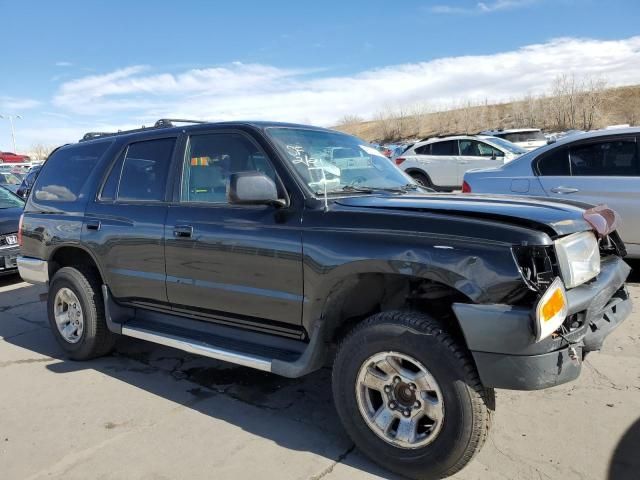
569,106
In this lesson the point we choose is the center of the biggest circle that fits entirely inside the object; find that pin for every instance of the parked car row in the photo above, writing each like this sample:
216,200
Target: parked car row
440,163
10,157
601,167
19,177
526,138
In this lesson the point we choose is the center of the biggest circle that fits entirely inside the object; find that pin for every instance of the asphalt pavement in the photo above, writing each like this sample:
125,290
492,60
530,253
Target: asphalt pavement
149,412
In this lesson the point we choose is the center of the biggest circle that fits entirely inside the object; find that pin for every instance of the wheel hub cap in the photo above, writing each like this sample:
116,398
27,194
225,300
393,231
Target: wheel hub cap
67,312
399,400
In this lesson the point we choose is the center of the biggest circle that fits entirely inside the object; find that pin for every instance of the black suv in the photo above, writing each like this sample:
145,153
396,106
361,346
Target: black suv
251,243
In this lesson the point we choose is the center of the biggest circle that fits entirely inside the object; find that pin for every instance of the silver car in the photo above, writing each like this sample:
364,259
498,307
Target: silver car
599,167
441,162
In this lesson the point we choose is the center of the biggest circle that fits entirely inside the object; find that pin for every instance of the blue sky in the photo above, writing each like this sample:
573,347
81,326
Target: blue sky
70,66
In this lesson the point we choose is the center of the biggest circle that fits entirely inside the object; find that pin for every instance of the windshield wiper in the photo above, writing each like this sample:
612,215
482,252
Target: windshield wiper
399,189
346,188
370,189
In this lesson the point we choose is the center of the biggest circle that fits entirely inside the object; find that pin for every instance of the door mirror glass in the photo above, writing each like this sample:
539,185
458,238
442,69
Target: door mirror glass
252,188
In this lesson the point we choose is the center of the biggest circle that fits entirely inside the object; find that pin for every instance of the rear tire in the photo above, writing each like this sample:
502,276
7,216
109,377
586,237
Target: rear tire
452,407
76,313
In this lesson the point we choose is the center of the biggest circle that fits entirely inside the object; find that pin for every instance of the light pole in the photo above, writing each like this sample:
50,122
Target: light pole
13,133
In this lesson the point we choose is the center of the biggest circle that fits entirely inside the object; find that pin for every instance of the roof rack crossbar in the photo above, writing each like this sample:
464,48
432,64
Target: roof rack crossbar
170,122
162,123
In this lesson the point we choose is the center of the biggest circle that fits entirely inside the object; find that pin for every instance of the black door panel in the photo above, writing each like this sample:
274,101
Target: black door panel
238,261
131,246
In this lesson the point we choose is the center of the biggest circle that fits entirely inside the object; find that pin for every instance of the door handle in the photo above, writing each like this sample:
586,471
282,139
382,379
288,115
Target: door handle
93,224
183,231
563,190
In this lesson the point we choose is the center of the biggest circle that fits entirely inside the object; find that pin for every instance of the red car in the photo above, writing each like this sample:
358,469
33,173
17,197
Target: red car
9,157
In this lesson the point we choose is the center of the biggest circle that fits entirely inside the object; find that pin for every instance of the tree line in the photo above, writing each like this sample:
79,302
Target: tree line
571,103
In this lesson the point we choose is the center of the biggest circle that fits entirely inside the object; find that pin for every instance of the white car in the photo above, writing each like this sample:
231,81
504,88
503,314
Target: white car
440,163
527,138
601,167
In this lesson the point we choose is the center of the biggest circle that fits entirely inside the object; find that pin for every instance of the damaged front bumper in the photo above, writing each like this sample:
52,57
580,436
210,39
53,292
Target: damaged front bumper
502,341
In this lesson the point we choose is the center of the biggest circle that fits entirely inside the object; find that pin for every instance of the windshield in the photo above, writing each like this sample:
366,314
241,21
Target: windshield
534,136
336,161
9,200
507,145
9,179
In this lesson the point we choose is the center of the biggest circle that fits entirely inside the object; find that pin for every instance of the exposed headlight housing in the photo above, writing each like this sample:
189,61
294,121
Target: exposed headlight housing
578,257
551,310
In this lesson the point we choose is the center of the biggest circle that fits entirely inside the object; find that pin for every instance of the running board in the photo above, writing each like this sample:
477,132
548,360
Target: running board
198,348
260,351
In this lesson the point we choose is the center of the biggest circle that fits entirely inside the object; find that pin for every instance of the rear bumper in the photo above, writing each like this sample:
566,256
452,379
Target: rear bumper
503,346
8,260
33,270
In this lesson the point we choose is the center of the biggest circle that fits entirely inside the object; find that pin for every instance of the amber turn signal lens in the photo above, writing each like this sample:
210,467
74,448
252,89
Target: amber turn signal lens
551,310
553,306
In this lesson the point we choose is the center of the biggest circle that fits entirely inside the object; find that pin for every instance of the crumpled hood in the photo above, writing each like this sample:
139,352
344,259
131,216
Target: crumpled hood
561,216
9,219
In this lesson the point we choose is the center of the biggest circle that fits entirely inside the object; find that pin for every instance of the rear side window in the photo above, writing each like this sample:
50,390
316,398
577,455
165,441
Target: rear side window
140,174
450,147
66,172
423,150
555,163
607,159
31,177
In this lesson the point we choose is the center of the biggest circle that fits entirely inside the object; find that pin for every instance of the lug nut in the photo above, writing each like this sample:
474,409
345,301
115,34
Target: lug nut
406,413
412,386
396,379
392,404
387,388
417,404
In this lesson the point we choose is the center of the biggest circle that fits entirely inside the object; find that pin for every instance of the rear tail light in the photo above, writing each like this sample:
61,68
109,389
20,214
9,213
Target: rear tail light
466,188
20,230
399,160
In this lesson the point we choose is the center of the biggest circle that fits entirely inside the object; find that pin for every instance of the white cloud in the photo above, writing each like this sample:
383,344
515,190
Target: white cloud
64,64
483,7
138,95
266,92
13,104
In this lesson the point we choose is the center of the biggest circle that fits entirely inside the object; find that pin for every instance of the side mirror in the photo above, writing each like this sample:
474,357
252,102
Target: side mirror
253,188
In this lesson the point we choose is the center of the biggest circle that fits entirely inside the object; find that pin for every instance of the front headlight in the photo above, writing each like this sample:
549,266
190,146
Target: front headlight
578,257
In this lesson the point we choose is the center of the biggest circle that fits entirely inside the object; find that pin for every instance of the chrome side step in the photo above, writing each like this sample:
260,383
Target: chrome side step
198,347
279,359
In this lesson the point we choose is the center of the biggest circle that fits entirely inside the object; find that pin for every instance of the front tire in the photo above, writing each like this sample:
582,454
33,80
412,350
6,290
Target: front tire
422,179
409,395
76,313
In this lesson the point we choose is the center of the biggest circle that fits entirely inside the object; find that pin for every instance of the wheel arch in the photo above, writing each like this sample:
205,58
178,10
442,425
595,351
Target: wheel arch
69,255
420,171
357,296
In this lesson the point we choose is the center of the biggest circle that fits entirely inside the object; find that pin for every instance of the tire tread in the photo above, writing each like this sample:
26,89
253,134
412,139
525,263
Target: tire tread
482,399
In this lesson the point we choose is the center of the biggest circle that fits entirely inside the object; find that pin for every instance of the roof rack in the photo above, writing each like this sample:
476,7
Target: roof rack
443,135
162,123
169,122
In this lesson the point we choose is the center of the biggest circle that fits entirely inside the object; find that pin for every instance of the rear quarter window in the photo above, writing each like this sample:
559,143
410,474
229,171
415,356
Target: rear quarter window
66,171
